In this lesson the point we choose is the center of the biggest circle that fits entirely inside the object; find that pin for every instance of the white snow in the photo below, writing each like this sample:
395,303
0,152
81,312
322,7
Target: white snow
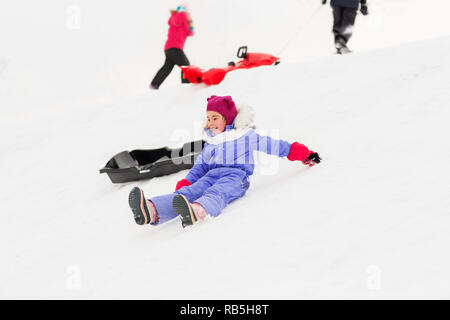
370,222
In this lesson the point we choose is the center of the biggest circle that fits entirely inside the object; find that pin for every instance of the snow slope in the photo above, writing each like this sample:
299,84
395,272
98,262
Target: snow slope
371,221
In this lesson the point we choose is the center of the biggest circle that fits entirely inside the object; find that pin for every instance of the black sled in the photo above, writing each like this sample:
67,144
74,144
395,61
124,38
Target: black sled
139,164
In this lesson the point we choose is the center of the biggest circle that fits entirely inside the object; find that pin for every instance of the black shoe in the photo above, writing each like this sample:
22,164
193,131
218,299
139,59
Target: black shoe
184,209
341,45
138,205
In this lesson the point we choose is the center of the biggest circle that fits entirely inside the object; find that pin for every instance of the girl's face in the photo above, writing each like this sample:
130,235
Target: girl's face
216,122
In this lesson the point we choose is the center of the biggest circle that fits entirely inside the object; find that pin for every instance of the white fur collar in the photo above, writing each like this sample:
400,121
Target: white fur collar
243,123
244,117
226,136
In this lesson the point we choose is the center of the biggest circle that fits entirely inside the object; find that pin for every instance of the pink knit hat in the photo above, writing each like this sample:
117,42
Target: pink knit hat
223,105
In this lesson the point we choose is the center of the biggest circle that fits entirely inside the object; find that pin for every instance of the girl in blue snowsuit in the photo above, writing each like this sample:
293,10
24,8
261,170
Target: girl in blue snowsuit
221,172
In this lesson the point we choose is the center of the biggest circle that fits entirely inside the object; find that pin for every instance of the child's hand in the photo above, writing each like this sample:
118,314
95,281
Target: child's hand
300,152
312,159
182,183
364,10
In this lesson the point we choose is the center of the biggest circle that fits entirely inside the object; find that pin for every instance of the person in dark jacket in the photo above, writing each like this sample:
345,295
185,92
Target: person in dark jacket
344,15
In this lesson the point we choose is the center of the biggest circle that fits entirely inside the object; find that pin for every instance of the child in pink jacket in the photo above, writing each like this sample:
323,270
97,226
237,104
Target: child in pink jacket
180,27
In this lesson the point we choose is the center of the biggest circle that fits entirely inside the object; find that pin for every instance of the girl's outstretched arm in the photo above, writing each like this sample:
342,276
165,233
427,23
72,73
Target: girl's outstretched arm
281,148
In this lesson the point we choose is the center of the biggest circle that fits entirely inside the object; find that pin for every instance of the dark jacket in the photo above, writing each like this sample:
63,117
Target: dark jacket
347,3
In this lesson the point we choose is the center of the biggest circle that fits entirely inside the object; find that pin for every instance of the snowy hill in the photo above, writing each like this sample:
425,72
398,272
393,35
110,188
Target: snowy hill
371,221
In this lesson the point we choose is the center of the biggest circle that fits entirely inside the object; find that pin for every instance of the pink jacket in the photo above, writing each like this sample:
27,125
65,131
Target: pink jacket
178,31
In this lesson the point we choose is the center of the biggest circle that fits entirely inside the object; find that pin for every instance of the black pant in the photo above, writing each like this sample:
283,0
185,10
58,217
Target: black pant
174,57
344,20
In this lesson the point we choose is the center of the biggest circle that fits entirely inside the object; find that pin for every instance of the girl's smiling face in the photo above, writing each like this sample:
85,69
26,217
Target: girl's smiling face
216,122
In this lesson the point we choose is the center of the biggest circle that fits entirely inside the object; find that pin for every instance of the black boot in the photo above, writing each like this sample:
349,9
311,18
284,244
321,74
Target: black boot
138,205
184,209
341,45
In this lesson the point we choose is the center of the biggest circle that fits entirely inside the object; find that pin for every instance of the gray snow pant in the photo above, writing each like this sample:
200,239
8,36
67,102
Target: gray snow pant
343,22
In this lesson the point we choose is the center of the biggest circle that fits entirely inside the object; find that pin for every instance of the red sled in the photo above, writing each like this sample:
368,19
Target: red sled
215,75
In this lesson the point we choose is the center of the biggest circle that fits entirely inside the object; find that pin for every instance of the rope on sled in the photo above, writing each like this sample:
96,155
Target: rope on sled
302,28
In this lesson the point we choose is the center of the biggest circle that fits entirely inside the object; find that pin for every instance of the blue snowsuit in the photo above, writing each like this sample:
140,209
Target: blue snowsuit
221,172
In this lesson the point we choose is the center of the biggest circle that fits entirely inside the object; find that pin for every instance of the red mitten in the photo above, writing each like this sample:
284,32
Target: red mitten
182,183
298,152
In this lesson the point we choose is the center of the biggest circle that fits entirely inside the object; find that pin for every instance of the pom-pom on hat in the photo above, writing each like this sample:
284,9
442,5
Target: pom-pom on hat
223,105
